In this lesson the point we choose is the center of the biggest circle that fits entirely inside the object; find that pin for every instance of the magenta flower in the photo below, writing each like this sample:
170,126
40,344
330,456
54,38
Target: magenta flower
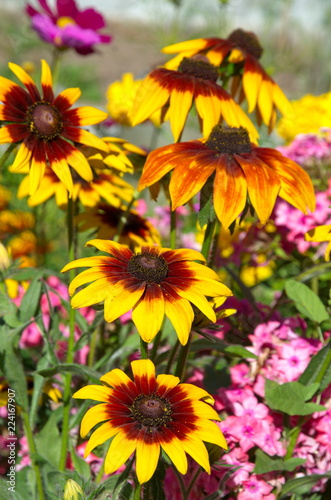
68,27
257,489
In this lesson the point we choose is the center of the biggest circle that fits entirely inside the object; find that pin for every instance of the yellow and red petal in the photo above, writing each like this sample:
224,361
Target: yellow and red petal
22,158
197,450
121,448
180,105
166,382
77,161
99,436
84,137
37,166
152,95
112,247
143,368
93,261
46,82
180,313
204,410
13,133
147,457
263,185
252,79
209,432
151,306
116,378
95,392
123,299
175,451
93,294
181,254
85,115
230,190
26,80
86,277
95,415
195,392
189,177
67,98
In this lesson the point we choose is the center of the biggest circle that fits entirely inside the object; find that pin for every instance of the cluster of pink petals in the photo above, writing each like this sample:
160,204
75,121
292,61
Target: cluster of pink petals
249,424
80,29
293,224
306,149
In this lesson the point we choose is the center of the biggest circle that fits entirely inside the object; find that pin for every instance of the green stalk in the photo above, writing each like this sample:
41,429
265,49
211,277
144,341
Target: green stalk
173,228
143,349
208,239
183,357
7,154
71,344
172,356
55,66
32,452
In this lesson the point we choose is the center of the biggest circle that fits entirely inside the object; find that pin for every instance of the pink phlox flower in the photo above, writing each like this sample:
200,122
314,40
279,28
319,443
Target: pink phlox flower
308,448
305,148
240,374
251,408
224,398
23,453
292,361
255,489
238,458
247,431
68,26
31,337
270,442
81,355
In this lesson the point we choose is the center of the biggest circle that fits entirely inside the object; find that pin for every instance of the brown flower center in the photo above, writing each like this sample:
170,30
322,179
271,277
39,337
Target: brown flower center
151,411
229,140
247,41
148,267
44,120
200,67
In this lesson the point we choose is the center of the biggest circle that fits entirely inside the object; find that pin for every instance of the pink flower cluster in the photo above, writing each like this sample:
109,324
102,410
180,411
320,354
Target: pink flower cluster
306,149
249,424
293,224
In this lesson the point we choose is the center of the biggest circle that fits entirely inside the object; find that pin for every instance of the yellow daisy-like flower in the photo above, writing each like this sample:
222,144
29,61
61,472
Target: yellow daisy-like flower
240,169
5,196
147,414
136,231
244,50
321,234
174,92
46,127
153,282
309,115
105,185
14,221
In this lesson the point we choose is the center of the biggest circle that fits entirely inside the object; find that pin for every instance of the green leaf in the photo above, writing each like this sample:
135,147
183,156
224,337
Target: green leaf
6,494
302,485
306,301
291,398
85,371
206,213
319,369
48,442
264,463
233,350
12,369
80,465
31,299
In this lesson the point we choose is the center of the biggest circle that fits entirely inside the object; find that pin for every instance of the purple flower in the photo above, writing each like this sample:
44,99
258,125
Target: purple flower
68,26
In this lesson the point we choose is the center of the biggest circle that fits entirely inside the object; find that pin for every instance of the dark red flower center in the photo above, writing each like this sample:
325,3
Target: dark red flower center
229,140
148,267
200,67
151,411
247,41
44,120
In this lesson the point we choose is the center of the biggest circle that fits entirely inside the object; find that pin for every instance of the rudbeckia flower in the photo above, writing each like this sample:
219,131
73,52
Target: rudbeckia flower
104,185
321,234
147,414
174,91
68,26
244,50
240,169
46,127
105,219
153,282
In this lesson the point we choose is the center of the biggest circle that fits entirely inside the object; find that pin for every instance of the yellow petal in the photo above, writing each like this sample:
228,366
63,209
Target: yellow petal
99,436
147,457
121,448
175,451
150,306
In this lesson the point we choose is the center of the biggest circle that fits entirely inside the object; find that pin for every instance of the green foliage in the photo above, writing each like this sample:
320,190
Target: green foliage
291,397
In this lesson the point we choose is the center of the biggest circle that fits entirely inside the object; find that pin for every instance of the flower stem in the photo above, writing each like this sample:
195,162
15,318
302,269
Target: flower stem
7,153
208,239
57,56
143,349
71,343
173,228
32,451
183,357
172,356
